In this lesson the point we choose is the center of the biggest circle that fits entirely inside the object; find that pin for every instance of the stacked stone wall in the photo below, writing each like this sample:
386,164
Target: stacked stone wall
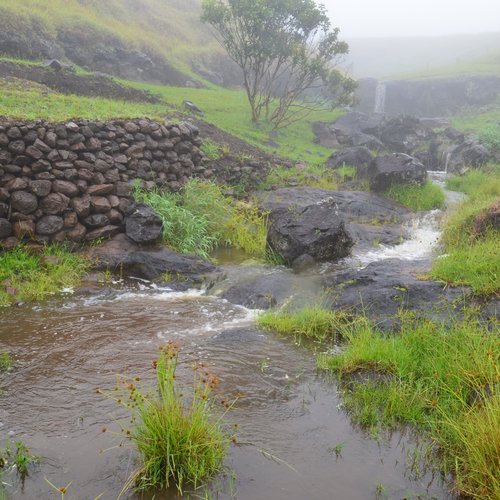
73,181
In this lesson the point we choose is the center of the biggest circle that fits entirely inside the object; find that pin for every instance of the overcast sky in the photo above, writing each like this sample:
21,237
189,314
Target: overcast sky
380,18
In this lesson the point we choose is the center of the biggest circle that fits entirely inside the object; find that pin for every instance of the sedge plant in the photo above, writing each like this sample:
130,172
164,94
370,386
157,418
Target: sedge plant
180,440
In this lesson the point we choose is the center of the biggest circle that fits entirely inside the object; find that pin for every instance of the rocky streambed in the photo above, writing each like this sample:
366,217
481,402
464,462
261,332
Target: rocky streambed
295,440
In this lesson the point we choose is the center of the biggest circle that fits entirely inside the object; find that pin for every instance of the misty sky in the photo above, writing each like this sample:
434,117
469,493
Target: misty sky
367,18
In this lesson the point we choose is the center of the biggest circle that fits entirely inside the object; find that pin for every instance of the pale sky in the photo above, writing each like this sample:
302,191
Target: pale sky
386,18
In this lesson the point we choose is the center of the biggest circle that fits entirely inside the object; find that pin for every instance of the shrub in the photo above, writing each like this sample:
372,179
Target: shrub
179,440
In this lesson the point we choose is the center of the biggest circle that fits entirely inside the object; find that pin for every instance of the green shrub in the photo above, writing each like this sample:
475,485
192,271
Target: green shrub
426,197
179,440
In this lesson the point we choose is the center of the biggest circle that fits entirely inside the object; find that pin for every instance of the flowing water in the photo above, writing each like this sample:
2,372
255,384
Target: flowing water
290,418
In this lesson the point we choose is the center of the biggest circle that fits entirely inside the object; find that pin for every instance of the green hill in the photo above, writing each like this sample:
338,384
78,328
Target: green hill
109,35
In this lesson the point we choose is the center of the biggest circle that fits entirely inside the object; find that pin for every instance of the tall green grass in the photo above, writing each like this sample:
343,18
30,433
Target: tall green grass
27,279
179,439
426,197
312,175
201,218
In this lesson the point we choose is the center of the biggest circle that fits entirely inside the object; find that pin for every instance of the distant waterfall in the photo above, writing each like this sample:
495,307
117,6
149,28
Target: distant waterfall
380,92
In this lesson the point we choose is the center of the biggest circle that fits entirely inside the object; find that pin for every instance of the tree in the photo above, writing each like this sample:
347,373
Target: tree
287,50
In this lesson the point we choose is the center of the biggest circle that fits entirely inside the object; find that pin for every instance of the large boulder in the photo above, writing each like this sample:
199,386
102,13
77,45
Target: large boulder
122,255
404,134
316,230
358,157
370,218
469,154
143,224
397,168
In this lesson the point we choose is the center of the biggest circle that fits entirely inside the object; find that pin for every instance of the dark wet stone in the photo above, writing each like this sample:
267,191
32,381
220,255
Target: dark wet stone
142,224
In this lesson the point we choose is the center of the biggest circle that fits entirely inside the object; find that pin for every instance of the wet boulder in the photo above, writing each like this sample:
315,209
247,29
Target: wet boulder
404,134
397,168
143,224
383,288
122,255
468,154
316,230
358,157
5,228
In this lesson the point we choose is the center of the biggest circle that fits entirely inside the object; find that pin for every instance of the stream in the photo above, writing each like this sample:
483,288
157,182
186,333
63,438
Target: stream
290,418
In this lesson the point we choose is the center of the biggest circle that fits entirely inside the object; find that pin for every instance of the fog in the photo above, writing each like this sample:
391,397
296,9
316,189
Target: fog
387,18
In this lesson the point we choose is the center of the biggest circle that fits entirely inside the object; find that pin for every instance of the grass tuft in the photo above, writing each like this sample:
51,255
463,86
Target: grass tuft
312,175
314,323
179,440
5,362
24,276
426,197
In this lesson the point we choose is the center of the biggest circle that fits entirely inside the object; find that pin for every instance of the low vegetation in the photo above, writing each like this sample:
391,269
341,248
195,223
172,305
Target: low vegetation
441,379
179,439
17,456
29,276
312,175
313,323
472,247
426,197
201,218
5,362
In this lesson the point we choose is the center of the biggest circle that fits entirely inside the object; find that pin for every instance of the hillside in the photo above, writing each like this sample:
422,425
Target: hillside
152,40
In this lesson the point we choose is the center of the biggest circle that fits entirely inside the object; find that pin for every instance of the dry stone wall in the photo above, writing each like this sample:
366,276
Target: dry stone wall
73,181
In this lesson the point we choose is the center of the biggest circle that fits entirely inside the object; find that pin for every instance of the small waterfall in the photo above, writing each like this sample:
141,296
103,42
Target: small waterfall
380,92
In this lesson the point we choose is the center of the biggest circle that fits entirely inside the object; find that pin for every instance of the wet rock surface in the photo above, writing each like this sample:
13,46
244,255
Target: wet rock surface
124,257
397,168
382,289
142,224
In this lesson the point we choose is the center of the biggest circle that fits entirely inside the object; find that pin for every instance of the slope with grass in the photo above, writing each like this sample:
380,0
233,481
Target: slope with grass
473,252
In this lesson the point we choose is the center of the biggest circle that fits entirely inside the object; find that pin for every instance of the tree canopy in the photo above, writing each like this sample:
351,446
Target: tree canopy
288,52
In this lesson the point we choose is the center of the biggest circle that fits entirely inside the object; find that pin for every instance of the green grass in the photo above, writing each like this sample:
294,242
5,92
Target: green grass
311,175
19,458
201,217
171,29
314,323
426,197
28,280
212,150
442,380
484,124
472,259
178,437
5,362
34,102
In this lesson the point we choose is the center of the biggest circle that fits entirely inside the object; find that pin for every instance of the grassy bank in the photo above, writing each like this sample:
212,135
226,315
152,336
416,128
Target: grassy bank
426,197
25,276
439,379
472,247
30,101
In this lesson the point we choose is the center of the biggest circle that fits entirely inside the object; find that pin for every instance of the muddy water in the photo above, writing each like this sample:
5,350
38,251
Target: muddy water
290,418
